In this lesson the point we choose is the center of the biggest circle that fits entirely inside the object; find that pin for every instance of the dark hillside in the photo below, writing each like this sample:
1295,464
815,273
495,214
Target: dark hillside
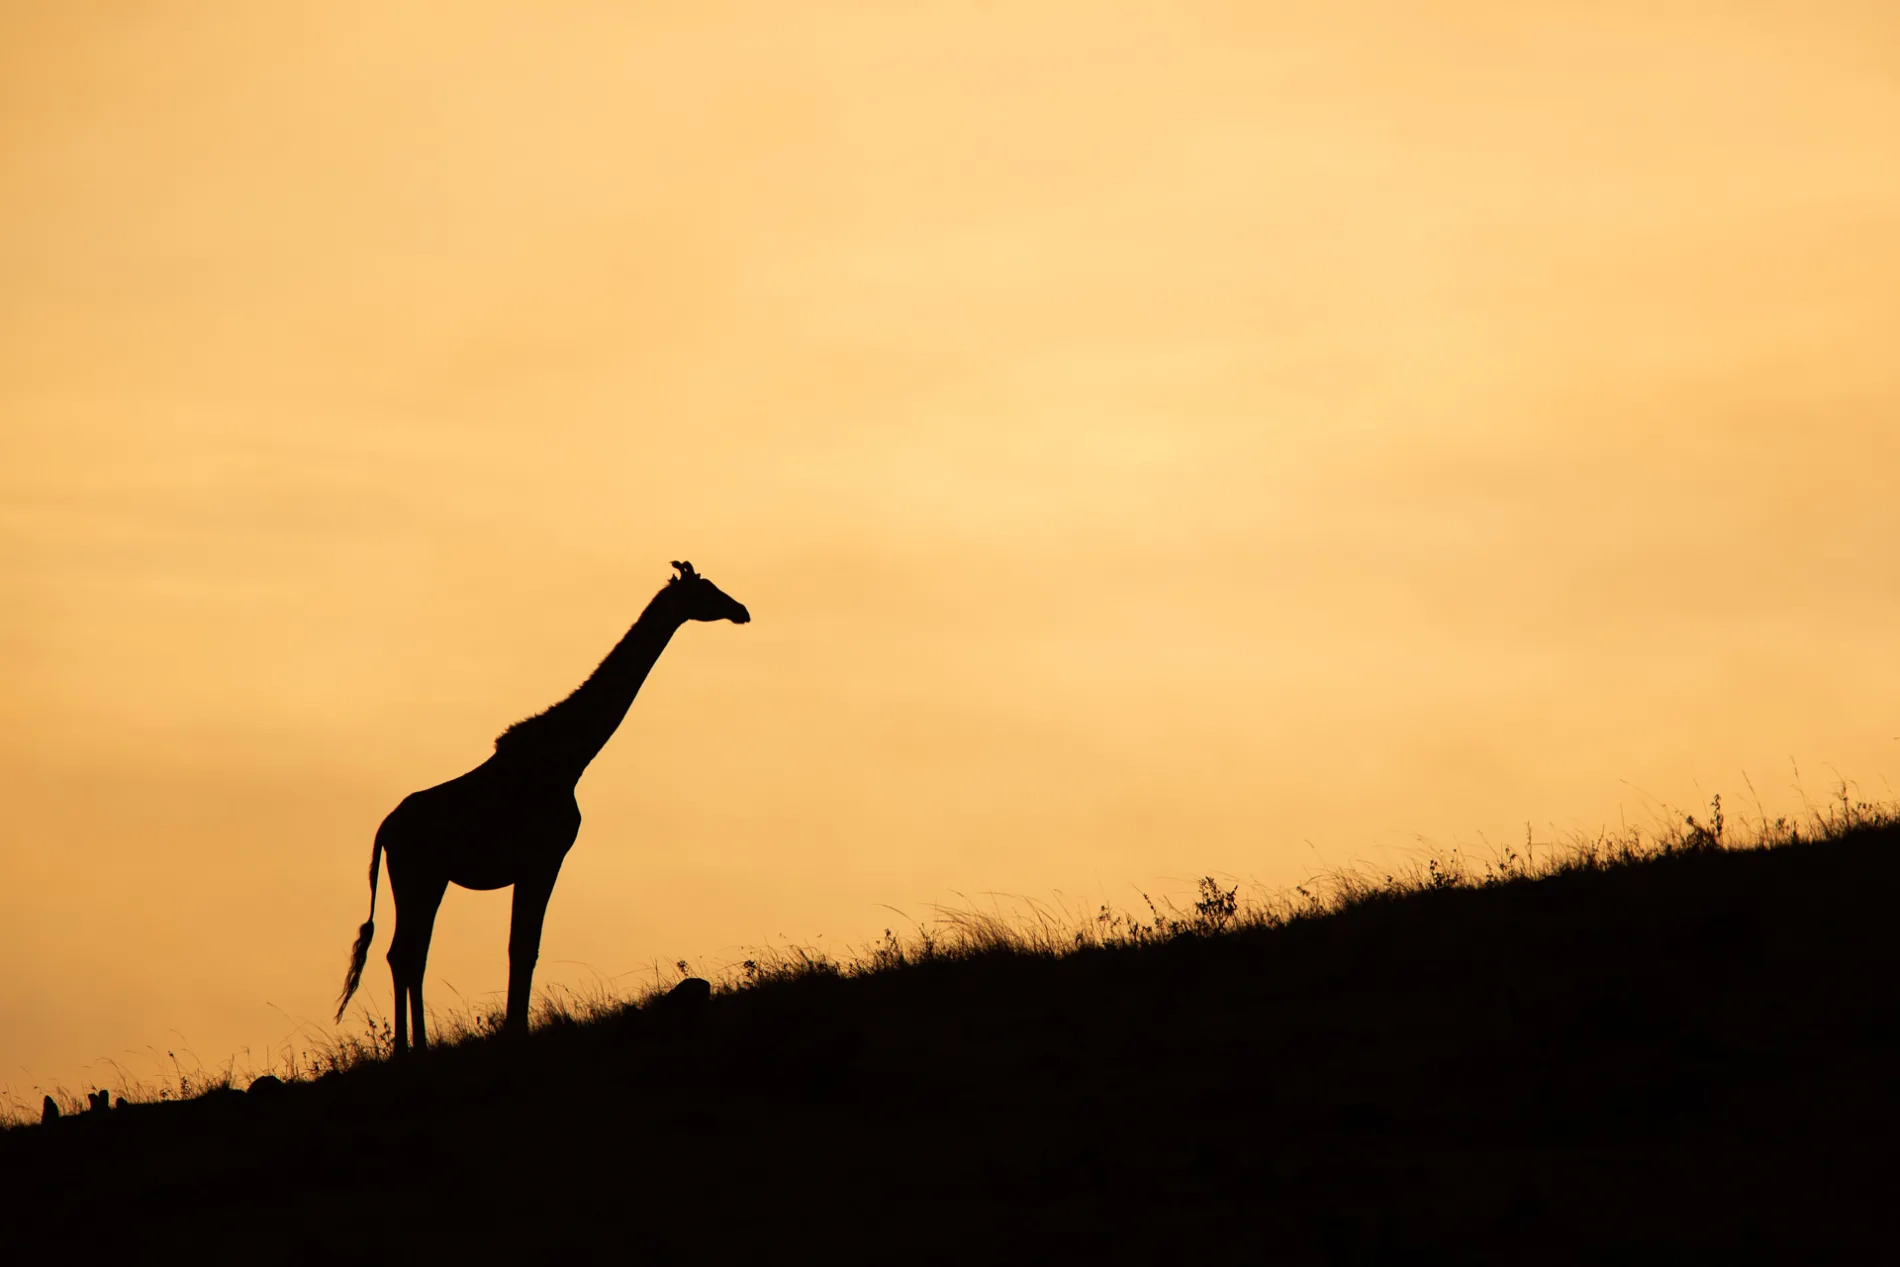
1690,1057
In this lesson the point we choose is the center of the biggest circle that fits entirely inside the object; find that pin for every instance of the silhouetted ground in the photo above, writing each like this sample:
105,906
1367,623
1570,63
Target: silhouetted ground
1689,1058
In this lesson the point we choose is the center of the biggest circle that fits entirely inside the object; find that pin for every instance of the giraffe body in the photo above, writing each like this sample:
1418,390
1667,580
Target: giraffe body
482,829
512,819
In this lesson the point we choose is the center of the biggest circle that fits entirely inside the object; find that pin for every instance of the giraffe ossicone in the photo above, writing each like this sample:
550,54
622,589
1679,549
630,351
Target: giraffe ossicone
512,819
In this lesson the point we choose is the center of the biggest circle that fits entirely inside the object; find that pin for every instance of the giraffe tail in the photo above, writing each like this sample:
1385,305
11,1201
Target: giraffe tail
360,951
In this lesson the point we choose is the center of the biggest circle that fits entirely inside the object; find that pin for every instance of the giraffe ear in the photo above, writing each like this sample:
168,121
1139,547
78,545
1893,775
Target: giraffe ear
685,570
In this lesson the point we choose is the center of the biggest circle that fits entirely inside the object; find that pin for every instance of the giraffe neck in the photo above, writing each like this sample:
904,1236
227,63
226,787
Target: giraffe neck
569,735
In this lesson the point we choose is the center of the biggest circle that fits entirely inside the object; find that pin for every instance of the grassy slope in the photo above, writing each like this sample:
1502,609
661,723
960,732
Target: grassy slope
1693,1052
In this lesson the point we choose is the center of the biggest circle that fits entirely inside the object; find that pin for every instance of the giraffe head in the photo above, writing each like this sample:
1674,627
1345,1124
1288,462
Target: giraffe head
697,598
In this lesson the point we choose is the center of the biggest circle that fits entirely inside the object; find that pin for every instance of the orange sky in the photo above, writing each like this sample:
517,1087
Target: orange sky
1152,440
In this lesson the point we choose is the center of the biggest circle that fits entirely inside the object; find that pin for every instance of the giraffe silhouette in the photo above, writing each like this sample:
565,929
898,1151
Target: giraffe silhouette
512,819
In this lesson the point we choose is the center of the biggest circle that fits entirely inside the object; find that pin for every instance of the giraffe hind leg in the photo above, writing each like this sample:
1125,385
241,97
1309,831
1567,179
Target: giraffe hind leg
415,1005
409,954
402,1006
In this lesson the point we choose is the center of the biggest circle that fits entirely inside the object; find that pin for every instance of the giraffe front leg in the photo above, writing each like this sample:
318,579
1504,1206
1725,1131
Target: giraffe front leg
524,945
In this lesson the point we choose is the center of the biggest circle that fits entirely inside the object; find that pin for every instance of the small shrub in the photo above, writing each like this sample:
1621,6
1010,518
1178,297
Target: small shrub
1216,907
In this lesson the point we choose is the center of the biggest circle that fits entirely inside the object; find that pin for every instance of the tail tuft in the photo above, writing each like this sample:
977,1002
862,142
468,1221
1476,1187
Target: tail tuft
359,953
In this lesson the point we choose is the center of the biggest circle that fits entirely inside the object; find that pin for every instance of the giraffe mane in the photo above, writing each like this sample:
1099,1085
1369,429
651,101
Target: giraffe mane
526,728
516,731
529,728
